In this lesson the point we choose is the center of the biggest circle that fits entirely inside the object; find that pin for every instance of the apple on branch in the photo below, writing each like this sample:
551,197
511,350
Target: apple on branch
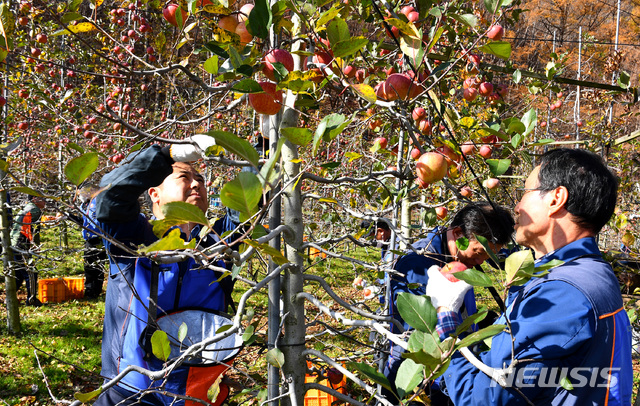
452,267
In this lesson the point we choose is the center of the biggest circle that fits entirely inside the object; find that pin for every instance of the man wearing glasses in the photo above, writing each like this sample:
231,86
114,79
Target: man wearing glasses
571,335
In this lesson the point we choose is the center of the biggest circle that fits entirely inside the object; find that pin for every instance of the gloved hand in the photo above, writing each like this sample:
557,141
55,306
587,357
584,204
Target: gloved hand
188,152
444,293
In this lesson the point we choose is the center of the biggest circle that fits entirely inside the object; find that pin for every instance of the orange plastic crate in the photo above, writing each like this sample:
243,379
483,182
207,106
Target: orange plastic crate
75,287
315,397
57,290
52,290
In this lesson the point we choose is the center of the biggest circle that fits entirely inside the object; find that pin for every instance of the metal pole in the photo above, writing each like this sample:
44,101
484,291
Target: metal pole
576,110
615,53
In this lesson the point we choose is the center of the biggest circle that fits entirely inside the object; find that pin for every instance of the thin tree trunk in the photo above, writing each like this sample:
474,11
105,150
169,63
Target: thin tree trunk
11,296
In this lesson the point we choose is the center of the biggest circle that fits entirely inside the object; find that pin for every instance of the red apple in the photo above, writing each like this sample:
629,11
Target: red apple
468,148
466,191
470,94
382,141
485,151
245,36
42,38
169,14
441,212
415,153
276,55
269,102
228,23
425,127
399,86
431,167
334,376
491,183
452,267
485,89
418,113
495,33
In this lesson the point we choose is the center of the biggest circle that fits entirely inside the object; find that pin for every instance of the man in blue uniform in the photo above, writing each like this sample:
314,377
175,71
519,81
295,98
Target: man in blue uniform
570,322
439,247
166,176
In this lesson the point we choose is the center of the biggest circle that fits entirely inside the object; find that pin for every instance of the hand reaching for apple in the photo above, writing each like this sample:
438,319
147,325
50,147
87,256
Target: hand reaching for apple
189,152
443,291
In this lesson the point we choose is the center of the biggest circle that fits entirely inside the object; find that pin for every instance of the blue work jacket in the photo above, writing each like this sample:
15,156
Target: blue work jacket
181,285
570,322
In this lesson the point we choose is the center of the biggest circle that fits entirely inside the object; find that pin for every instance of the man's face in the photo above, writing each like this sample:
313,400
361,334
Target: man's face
39,202
475,253
185,184
531,217
383,234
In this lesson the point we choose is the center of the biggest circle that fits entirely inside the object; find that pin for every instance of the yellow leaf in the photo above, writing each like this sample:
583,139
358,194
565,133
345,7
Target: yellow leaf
366,92
82,27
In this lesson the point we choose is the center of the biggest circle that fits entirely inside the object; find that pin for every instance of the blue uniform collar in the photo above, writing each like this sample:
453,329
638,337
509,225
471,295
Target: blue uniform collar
583,247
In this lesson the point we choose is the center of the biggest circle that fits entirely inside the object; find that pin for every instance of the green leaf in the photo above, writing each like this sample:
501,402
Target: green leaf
275,357
549,265
485,243
429,342
260,19
417,311
566,383
462,243
73,5
27,191
170,242
543,141
371,373
529,120
160,345
214,389
268,169
328,15
211,65
182,331
337,31
329,128
474,278
404,27
470,321
469,20
623,80
498,166
247,86
275,255
177,213
349,47
243,193
80,168
298,136
68,17
480,335
249,334
87,397
517,262
4,166
409,376
501,49
236,145
517,76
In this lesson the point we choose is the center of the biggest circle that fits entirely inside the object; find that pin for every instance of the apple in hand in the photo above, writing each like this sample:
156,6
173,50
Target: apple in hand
452,267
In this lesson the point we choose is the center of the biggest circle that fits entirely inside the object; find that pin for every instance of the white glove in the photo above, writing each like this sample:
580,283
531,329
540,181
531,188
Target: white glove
188,152
444,293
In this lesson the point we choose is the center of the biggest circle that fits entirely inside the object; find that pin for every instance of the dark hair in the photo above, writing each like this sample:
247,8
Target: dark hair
493,222
592,187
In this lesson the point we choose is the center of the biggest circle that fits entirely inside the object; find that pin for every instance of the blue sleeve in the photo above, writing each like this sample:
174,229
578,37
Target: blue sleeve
550,324
119,201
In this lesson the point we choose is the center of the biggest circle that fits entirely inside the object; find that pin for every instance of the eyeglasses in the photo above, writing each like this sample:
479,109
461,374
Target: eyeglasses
520,192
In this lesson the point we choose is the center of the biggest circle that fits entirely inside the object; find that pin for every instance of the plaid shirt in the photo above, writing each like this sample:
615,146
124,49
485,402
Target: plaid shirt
447,323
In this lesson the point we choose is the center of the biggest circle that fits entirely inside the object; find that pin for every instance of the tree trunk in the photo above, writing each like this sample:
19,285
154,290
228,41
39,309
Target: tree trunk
11,298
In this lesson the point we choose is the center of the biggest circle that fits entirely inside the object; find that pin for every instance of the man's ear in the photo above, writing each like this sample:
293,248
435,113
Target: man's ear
457,232
558,199
154,194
